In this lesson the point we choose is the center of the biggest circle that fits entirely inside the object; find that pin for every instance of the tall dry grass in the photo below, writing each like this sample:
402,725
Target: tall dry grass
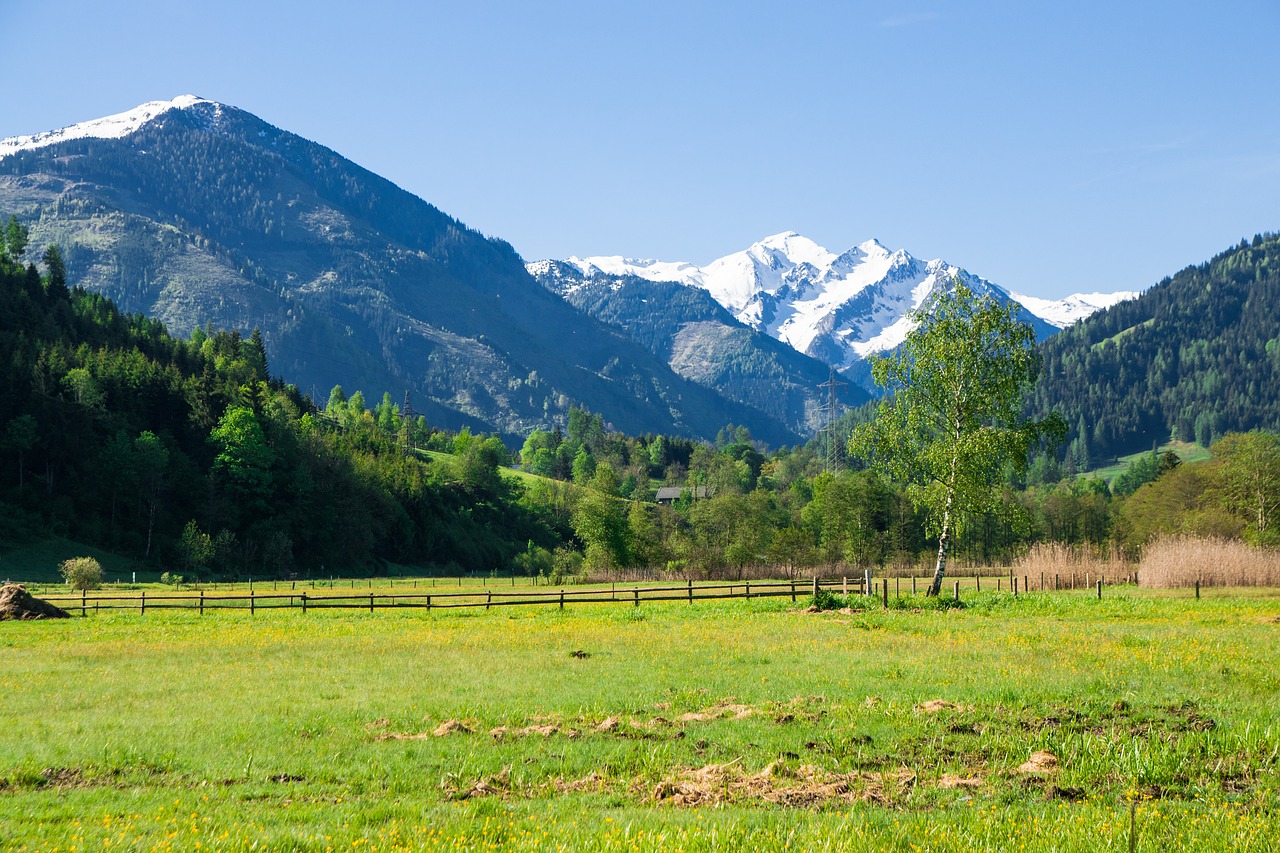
1182,560
1055,558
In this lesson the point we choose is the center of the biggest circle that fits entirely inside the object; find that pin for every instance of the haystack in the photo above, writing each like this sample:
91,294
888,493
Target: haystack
17,603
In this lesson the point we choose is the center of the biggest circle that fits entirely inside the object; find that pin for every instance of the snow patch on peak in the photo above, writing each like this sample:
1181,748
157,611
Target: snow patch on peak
793,248
1072,309
108,127
642,268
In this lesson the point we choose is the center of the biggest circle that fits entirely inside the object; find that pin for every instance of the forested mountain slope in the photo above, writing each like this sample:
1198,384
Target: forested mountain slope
203,213
1196,356
182,454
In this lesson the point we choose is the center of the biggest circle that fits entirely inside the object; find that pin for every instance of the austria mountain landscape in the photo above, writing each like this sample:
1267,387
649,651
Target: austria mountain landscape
438,438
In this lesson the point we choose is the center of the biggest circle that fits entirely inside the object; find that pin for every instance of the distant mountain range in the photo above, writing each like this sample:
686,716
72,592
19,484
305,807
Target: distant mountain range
838,308
704,343
196,212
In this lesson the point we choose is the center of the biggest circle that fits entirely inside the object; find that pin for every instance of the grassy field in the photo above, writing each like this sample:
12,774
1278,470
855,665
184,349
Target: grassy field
1009,724
1188,451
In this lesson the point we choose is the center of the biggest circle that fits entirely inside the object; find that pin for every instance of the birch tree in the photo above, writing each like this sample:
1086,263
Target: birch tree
952,418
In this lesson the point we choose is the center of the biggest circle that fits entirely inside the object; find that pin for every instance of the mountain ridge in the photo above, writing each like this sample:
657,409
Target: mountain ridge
837,307
204,213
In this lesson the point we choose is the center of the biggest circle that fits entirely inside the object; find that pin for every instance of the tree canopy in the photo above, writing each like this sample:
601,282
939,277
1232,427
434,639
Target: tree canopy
953,418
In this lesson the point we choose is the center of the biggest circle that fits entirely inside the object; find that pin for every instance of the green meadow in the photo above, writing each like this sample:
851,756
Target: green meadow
1052,721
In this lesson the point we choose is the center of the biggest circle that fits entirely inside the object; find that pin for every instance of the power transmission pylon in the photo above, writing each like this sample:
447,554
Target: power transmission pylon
833,408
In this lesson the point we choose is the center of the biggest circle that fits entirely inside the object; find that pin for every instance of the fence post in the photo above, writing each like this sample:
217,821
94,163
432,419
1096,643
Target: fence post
562,599
957,590
144,603
748,589
370,602
202,602
1042,581
82,598
897,587
977,583
793,589
1099,590
815,586
884,589
844,587
1056,584
691,590
1197,589
913,583
428,604
866,583
1026,584
636,592
1013,584
488,598
252,609
304,604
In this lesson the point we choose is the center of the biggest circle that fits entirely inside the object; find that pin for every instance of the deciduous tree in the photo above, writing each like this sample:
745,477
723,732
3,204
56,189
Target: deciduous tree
953,417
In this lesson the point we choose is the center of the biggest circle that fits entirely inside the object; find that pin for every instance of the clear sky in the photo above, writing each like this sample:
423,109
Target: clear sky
1049,147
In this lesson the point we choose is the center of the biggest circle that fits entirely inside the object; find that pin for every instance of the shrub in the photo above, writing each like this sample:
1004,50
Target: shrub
566,564
82,572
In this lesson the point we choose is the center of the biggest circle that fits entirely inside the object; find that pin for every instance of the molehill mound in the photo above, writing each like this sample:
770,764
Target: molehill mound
17,603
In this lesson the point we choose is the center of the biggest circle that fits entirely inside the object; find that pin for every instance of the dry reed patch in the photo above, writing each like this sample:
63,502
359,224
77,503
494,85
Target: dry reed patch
1056,559
1181,561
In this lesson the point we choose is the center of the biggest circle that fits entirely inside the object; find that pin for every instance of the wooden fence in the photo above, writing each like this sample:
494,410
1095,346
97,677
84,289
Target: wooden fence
487,598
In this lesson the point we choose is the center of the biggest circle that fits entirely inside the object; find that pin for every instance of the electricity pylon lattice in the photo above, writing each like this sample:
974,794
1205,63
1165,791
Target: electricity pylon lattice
833,408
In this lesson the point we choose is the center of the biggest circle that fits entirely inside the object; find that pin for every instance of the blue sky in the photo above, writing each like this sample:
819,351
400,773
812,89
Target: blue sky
1051,148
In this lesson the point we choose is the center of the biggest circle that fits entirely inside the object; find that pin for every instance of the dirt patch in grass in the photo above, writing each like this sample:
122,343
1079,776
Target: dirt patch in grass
1041,762
719,711
542,729
18,604
63,778
495,785
593,781
952,780
934,706
805,786
448,727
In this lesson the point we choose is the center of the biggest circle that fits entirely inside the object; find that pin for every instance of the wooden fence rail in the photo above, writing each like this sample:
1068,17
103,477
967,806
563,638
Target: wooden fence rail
486,598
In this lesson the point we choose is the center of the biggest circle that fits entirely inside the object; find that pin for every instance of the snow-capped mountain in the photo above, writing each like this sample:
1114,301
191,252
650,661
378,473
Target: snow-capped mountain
1072,309
839,308
195,212
109,127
